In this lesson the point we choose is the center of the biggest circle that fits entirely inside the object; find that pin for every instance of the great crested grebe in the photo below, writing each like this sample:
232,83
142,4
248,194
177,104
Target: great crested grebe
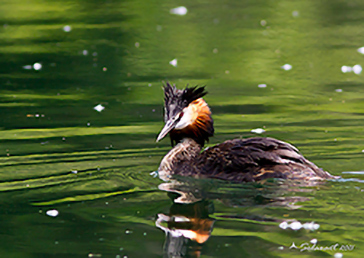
189,124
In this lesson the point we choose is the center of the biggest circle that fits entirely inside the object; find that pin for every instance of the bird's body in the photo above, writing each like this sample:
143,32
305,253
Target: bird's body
189,124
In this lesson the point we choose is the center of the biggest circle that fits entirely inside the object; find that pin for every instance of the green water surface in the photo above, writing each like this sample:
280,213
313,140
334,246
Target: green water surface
60,59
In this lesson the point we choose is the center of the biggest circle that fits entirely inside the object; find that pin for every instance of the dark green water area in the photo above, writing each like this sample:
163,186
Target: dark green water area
75,182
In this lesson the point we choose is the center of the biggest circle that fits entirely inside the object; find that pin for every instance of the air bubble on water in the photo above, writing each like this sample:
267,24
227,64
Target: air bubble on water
27,67
258,131
286,67
173,62
296,225
338,255
52,213
295,13
346,69
181,10
67,28
357,69
37,66
315,226
361,50
99,107
284,225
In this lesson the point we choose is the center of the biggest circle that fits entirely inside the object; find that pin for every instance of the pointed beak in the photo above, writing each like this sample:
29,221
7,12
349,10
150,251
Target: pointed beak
166,129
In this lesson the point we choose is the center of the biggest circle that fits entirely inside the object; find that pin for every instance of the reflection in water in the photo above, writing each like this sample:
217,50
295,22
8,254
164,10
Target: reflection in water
188,225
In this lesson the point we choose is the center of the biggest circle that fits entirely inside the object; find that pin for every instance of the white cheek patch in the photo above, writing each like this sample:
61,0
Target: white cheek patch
186,119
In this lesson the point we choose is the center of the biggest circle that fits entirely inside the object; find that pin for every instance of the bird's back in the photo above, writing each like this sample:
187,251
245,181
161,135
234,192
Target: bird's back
255,159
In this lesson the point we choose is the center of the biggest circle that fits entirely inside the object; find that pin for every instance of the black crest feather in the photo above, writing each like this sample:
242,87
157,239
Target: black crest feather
191,94
175,100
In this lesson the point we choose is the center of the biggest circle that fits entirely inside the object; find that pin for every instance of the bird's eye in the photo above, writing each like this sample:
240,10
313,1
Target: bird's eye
180,115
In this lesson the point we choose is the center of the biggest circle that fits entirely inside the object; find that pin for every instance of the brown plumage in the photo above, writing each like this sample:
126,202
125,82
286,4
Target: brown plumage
189,124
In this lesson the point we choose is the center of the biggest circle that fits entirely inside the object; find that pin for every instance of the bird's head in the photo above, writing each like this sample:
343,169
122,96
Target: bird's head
186,115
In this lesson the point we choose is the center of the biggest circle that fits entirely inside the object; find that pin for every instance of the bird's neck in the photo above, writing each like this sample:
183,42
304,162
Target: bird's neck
179,158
